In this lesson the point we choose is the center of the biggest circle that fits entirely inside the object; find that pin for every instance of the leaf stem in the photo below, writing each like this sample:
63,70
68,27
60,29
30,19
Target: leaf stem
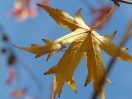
113,8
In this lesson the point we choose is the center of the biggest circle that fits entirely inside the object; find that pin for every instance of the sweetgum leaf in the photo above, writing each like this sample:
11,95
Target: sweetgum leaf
83,42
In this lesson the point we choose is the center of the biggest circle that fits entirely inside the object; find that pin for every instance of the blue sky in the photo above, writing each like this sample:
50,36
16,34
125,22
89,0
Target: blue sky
33,30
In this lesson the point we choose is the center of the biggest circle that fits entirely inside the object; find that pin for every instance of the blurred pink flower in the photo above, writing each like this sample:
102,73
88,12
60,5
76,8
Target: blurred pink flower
45,2
10,75
23,9
18,93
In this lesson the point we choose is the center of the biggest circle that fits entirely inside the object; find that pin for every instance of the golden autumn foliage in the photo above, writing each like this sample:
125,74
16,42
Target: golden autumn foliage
83,42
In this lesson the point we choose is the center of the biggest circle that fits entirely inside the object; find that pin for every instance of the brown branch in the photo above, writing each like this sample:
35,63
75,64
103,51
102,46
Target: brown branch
31,74
125,1
125,38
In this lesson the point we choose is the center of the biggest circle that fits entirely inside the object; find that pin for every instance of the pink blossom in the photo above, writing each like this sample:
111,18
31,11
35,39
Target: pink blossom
10,75
18,93
45,2
23,9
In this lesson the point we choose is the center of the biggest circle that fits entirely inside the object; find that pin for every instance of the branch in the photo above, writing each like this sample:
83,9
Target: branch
125,38
31,74
125,1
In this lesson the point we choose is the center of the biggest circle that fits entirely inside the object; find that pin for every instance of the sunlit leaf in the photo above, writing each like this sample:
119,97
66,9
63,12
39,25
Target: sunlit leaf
83,42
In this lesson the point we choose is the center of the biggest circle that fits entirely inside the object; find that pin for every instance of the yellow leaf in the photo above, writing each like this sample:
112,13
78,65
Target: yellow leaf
84,42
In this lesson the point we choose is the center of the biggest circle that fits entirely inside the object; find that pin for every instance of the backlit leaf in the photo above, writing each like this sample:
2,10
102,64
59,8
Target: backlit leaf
83,42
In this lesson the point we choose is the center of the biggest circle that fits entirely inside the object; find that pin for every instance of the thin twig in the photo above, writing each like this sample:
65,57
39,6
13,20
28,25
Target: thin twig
124,1
113,8
116,1
31,73
124,39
